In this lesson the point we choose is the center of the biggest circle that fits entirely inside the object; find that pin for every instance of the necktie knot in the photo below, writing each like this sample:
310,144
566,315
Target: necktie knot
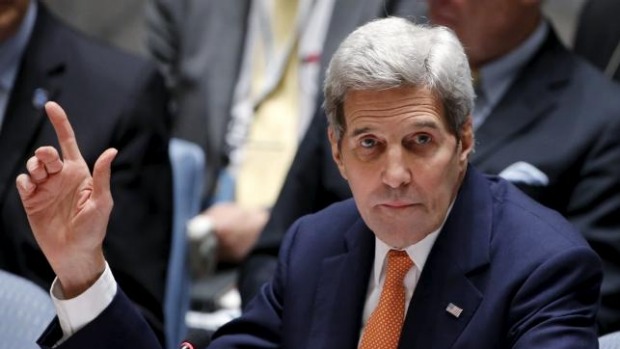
398,264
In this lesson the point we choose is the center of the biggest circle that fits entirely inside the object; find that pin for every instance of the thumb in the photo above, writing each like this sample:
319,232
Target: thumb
102,173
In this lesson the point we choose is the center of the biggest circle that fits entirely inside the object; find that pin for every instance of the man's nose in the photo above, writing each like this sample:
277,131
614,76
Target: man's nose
396,173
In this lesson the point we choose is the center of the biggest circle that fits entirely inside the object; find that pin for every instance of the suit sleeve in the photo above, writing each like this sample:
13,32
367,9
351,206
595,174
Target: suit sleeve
594,208
556,305
139,232
119,326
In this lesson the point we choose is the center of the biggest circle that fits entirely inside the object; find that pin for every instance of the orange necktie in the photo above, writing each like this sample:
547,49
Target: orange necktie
386,321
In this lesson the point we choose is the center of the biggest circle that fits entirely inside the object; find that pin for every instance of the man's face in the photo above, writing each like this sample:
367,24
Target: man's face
12,13
488,29
403,165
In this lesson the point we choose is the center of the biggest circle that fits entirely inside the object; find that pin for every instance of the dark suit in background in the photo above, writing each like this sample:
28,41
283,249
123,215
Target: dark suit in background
115,100
597,37
560,115
199,45
563,117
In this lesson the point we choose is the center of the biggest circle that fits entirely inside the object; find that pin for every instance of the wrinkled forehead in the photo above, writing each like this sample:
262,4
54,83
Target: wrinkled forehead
392,102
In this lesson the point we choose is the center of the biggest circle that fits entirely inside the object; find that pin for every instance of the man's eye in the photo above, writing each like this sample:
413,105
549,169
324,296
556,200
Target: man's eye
422,139
368,143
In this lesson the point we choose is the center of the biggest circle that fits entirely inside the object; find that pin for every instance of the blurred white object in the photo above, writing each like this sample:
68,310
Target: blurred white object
526,173
230,309
202,246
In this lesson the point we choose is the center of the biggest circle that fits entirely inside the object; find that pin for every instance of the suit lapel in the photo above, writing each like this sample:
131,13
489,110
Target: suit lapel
461,250
39,70
341,294
532,95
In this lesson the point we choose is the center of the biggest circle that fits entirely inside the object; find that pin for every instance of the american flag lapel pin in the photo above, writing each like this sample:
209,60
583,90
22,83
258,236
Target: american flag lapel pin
454,310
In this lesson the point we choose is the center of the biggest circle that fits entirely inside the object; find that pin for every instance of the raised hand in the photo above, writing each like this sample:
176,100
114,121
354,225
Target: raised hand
68,209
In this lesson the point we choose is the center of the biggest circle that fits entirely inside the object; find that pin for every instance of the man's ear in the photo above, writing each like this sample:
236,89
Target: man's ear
467,139
336,153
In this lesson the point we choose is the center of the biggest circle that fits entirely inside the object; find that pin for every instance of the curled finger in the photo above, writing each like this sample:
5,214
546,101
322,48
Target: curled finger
50,158
36,169
25,186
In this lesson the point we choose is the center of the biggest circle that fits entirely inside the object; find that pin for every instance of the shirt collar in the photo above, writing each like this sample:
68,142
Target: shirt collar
497,76
12,49
418,252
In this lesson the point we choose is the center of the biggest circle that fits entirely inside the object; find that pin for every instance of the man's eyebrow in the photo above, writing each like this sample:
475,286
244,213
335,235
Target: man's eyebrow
426,124
417,124
359,131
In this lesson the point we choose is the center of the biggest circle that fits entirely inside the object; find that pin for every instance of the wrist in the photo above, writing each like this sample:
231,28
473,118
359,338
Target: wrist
76,278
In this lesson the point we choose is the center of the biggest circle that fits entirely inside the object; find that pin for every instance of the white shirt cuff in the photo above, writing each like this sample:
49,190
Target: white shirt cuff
77,312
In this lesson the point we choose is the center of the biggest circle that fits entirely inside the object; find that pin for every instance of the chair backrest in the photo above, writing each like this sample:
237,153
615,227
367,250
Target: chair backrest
188,166
25,311
610,341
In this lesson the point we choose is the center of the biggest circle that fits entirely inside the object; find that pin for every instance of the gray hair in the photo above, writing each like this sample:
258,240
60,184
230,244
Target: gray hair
393,52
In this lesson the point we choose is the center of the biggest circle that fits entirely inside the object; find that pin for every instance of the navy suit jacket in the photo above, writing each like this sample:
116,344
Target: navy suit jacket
561,115
524,277
112,100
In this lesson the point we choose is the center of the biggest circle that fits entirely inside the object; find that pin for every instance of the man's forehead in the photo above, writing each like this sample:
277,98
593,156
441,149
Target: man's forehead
391,102
418,123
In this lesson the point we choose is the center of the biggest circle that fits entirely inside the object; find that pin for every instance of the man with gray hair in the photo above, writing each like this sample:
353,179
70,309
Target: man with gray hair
428,253
544,119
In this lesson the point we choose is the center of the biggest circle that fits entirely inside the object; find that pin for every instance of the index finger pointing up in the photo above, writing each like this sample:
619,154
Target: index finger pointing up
64,131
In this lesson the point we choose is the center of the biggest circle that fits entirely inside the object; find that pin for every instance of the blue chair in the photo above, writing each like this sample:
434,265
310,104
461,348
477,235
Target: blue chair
610,341
25,311
188,166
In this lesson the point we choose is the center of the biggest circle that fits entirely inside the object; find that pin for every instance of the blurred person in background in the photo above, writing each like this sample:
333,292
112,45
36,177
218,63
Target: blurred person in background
119,101
597,37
